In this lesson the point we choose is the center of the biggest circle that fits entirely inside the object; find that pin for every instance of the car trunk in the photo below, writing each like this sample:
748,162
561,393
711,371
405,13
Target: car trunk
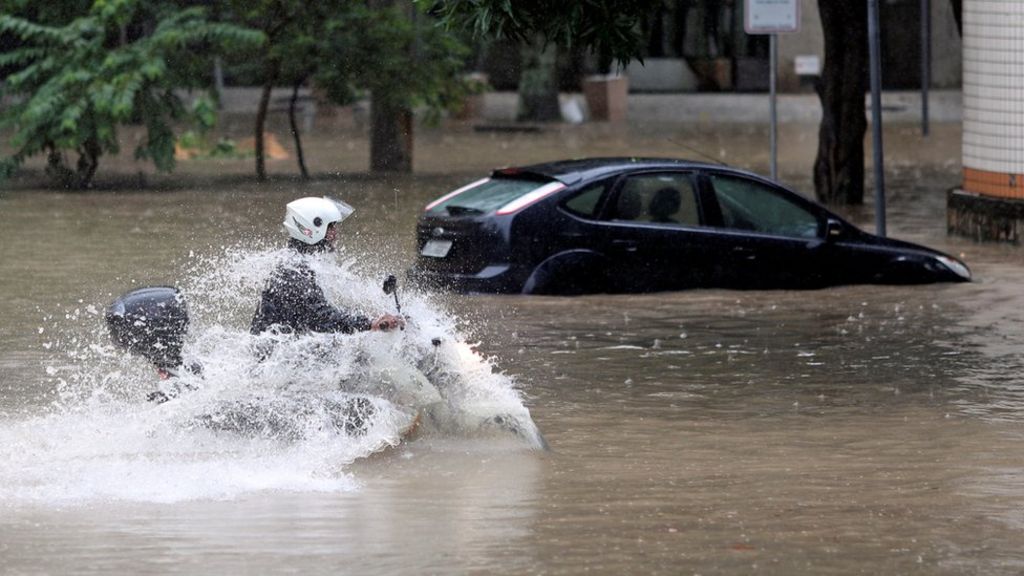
461,232
474,243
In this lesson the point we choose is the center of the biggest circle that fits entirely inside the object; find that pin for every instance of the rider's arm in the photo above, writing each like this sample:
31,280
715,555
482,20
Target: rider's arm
318,315
327,318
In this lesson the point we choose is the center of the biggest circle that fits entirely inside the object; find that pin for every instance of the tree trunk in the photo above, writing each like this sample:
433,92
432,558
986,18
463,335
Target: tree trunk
839,167
261,121
295,130
88,162
391,137
391,125
538,84
57,169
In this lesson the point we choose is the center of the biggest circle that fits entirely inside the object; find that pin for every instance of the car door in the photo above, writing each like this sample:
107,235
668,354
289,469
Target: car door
572,229
651,232
767,237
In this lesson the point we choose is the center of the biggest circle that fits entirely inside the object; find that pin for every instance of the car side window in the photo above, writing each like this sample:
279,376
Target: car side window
749,205
587,201
662,198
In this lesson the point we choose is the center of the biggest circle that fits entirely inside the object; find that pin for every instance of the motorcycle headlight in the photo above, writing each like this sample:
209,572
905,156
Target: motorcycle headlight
955,266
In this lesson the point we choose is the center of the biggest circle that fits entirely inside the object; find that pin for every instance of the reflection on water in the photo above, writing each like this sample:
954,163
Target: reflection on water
411,513
854,429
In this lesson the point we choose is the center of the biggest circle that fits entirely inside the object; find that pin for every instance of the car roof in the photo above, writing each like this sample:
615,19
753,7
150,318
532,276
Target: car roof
572,171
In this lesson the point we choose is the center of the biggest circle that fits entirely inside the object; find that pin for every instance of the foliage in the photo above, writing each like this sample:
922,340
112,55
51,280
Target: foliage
293,30
77,83
609,28
196,145
50,13
405,62
346,49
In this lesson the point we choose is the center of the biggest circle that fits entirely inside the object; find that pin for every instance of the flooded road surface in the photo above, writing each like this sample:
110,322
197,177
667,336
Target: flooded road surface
868,429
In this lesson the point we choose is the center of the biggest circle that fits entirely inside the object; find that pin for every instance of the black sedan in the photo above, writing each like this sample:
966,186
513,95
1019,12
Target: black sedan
643,225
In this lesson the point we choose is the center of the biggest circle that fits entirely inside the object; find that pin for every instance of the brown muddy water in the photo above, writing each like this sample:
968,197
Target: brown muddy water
865,429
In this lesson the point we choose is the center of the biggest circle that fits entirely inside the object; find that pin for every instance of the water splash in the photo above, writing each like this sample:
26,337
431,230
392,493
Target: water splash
266,412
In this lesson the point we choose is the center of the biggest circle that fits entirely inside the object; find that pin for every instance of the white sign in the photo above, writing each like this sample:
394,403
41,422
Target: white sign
771,16
807,65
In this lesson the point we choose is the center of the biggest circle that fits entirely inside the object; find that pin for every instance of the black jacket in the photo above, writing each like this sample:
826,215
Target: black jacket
294,302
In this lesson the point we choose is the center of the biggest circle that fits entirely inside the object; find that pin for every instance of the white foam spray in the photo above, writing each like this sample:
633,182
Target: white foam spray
293,419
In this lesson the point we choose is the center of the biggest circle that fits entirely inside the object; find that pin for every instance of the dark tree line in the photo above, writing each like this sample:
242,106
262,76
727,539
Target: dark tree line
74,74
79,72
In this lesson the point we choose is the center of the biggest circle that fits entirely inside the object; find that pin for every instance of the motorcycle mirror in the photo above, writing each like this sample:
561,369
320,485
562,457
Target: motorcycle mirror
391,287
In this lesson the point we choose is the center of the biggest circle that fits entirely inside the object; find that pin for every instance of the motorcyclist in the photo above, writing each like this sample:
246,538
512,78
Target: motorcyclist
293,300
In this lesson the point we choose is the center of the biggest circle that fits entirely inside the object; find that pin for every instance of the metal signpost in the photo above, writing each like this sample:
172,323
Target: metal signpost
875,64
926,61
772,17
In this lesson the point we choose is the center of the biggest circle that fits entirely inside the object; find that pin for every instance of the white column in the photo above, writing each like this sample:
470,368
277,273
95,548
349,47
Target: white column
993,95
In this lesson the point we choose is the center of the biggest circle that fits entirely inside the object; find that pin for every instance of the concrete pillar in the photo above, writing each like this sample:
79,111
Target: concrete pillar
990,203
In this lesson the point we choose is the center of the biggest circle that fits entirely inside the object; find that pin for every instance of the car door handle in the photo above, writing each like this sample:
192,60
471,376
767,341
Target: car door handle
627,245
744,252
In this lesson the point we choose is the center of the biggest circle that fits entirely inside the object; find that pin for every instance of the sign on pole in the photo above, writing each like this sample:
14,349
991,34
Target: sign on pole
772,17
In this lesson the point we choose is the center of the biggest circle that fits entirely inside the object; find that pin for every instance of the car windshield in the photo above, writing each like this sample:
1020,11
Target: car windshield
484,196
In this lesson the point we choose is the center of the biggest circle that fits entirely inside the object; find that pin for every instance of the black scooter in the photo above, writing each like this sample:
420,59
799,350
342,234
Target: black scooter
152,322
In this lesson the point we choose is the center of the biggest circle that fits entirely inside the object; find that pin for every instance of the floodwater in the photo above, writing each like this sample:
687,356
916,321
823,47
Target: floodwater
866,429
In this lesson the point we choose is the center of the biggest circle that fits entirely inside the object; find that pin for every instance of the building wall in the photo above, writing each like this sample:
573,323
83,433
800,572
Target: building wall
946,46
809,41
900,53
993,92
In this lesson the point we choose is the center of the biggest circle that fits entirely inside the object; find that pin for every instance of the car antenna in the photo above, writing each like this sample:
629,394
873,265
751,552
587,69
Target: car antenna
697,152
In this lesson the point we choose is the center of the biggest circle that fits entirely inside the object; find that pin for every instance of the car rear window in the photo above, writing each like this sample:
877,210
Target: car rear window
586,202
491,194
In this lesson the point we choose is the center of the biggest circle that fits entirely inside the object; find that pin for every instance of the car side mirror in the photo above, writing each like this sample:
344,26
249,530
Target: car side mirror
834,229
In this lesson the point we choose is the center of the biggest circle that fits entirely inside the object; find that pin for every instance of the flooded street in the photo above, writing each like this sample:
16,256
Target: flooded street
867,429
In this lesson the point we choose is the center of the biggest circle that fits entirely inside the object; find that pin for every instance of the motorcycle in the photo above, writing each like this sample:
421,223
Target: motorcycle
427,384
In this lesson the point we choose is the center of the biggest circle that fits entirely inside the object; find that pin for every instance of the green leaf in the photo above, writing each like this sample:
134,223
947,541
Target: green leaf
75,84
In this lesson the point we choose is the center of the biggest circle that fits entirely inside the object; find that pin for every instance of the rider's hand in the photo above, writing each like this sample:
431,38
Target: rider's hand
388,322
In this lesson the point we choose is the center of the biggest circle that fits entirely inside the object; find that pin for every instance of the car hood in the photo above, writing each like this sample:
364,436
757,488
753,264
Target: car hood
953,264
896,244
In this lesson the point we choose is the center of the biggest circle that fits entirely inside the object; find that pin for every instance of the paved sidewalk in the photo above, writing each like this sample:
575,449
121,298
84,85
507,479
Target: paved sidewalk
689,108
944,106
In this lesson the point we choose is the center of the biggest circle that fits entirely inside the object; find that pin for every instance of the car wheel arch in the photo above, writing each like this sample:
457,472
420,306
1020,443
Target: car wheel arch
558,273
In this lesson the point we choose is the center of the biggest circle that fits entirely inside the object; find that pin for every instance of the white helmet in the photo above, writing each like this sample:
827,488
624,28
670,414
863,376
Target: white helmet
306,219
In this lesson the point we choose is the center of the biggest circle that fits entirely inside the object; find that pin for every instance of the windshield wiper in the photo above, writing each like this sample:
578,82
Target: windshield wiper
462,210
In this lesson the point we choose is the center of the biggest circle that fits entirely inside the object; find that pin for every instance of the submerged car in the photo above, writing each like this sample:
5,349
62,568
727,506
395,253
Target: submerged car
644,225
